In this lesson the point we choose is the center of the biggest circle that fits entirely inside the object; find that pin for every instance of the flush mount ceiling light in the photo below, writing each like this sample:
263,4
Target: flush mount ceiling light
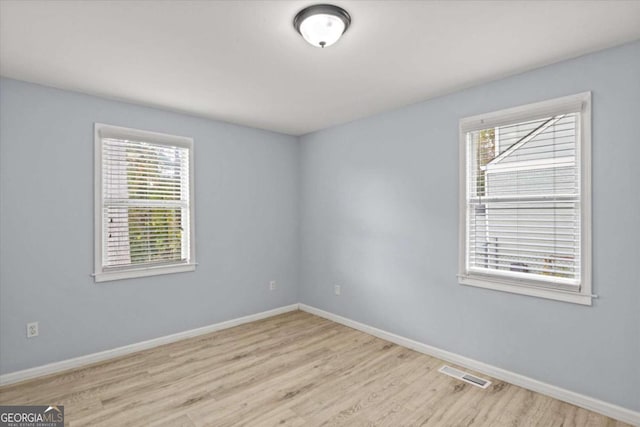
322,24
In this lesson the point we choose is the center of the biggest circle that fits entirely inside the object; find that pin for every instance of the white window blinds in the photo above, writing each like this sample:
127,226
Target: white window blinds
525,200
145,216
523,195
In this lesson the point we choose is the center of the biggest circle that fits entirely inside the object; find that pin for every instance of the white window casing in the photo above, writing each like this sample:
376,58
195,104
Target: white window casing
144,211
525,200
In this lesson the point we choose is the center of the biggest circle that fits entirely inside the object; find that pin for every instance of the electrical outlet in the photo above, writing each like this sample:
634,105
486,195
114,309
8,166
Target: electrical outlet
272,285
32,329
337,289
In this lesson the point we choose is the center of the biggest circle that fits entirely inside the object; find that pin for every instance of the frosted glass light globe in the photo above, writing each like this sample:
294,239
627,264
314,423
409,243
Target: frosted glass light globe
322,25
322,30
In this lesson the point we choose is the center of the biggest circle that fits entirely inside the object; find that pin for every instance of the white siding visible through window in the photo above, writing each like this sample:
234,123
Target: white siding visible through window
524,204
523,201
145,204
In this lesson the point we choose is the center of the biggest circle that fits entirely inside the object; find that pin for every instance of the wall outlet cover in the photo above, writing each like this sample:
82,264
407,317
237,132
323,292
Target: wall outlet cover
32,329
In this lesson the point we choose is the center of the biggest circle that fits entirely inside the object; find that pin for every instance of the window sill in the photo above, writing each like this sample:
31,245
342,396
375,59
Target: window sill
523,289
106,276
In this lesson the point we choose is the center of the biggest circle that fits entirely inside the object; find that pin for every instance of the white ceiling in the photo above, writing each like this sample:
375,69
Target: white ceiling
242,61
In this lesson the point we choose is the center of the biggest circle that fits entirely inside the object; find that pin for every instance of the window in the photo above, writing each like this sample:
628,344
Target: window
144,203
525,189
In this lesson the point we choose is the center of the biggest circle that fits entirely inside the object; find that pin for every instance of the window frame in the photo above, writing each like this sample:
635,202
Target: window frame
102,274
578,103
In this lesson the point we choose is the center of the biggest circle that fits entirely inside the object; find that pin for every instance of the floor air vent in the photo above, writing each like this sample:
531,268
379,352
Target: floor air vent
464,376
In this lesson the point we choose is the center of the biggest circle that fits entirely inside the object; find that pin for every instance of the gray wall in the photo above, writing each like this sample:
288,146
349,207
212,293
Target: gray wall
246,223
379,216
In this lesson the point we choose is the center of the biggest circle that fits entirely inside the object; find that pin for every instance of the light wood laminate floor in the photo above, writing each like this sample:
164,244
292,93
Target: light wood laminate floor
295,369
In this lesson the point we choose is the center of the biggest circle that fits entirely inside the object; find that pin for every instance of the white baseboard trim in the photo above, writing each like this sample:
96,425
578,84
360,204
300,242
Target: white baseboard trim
76,362
590,403
595,405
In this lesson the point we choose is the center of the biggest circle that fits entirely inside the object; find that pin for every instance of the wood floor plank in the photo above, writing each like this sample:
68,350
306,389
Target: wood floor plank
176,421
294,369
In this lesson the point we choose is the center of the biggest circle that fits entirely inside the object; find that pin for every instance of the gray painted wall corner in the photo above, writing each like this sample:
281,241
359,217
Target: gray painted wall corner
380,218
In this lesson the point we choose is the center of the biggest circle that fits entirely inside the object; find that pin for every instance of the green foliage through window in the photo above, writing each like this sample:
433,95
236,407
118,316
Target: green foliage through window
155,233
